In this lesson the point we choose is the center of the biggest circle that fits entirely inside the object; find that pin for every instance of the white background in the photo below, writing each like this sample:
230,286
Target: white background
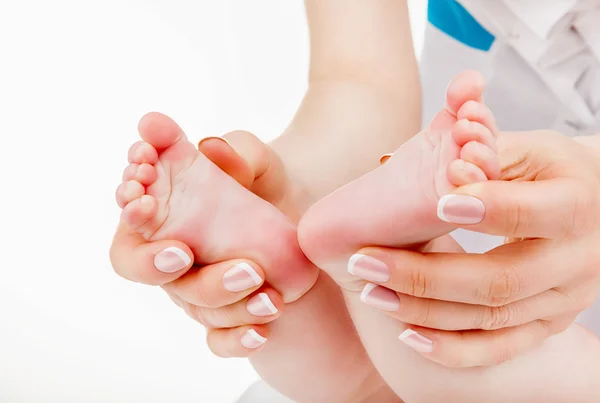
75,77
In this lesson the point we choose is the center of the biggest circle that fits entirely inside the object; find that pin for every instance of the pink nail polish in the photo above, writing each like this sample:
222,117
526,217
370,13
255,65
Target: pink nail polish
416,341
461,209
251,339
380,298
241,277
368,268
171,260
261,305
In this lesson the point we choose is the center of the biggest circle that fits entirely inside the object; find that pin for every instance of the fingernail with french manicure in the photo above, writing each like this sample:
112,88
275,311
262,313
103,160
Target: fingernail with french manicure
416,341
241,277
171,260
251,339
380,298
461,209
261,305
368,268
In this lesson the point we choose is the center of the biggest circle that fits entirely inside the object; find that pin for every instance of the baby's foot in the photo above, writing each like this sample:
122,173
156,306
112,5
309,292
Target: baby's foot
396,204
175,192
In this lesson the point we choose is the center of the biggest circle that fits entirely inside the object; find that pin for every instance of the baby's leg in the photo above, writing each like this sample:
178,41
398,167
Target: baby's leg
563,369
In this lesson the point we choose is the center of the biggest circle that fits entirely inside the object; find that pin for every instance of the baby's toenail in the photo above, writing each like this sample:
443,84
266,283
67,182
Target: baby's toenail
171,260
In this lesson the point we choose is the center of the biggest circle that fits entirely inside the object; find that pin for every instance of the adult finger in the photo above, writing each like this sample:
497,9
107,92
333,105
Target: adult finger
261,308
218,284
152,263
557,208
479,347
443,315
240,154
506,274
240,341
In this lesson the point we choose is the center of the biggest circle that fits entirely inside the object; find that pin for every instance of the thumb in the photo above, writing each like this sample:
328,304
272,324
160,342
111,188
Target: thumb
152,263
554,209
240,154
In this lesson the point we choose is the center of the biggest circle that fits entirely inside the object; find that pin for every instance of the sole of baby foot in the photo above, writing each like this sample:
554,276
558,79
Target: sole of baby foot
194,201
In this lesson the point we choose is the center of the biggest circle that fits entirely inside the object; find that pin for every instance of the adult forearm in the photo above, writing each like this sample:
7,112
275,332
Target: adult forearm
363,98
361,41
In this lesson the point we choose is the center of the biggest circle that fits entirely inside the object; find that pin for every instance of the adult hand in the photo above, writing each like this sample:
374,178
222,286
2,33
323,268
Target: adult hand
467,310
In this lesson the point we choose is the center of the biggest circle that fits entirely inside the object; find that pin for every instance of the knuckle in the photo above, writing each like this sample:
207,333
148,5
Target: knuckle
499,317
492,318
481,316
504,287
515,219
418,283
426,316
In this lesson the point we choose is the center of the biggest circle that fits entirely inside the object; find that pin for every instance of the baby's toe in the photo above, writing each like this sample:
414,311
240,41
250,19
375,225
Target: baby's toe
468,85
464,131
142,173
159,130
139,211
142,152
128,191
478,112
462,173
483,157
